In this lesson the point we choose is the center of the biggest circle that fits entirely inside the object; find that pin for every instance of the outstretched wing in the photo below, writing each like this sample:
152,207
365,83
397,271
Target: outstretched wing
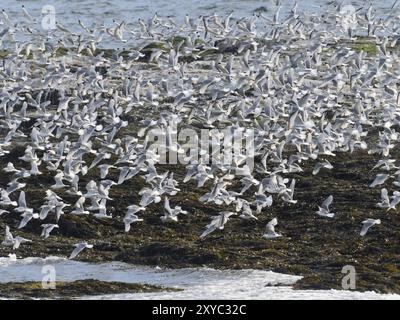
9,237
364,229
167,206
210,228
327,203
21,200
271,225
384,195
292,187
77,250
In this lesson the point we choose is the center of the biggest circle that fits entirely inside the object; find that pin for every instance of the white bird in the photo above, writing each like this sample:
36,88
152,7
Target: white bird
171,214
10,168
322,165
288,193
22,207
262,200
270,230
395,200
58,179
218,223
323,210
78,248
129,219
26,14
27,216
47,229
102,214
379,179
104,168
5,199
8,238
18,241
368,224
246,212
133,208
79,208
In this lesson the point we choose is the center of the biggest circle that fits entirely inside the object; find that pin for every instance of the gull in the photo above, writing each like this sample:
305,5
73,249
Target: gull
248,180
171,214
47,229
288,193
217,223
79,208
388,164
262,200
8,238
10,168
44,211
368,224
104,191
102,210
199,171
270,230
132,209
14,186
78,248
2,211
35,168
129,219
395,200
149,196
379,179
385,201
92,190
5,199
26,14
323,210
244,207
101,156
104,170
389,203
22,207
322,165
18,241
27,216
58,179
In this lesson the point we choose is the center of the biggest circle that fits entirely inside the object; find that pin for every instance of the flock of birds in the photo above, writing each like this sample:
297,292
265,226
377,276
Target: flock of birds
294,79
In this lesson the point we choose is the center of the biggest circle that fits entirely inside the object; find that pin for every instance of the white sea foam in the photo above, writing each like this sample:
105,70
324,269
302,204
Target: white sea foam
204,283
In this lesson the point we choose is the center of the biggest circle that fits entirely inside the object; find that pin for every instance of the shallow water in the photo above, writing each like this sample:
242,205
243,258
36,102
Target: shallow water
195,282
104,11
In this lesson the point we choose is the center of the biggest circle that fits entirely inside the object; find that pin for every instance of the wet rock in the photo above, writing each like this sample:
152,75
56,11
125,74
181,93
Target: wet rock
31,289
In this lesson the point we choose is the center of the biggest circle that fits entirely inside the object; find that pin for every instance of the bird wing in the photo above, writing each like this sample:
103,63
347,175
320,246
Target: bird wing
21,199
77,250
17,243
8,237
379,179
210,228
327,202
384,195
273,222
364,229
317,167
167,206
292,184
